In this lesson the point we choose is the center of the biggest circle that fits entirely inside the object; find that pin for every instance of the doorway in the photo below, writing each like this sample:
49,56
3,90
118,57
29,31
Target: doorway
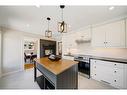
30,52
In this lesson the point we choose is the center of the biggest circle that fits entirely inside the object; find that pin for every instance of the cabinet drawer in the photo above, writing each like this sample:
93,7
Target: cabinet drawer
112,73
119,78
118,83
109,64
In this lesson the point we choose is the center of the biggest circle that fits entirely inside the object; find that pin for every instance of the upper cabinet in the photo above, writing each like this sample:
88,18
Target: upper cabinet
126,33
98,36
84,33
109,35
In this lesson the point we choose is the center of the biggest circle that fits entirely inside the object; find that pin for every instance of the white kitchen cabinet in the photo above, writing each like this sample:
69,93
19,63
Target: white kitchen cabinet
0,50
126,33
98,36
109,35
84,34
112,73
115,34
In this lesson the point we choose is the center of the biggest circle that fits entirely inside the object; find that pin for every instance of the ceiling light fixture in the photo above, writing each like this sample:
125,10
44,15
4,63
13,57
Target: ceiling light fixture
48,33
69,26
62,26
111,8
27,25
38,6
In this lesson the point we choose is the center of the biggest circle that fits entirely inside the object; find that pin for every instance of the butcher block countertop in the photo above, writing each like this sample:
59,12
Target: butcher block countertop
56,67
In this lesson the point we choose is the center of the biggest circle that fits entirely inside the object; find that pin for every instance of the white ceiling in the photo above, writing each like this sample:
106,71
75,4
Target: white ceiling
18,17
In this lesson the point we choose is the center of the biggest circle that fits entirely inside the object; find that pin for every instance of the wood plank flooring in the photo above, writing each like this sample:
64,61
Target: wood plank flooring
28,66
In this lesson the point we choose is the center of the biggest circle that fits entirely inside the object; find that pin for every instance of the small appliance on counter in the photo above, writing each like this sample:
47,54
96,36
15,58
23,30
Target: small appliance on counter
54,57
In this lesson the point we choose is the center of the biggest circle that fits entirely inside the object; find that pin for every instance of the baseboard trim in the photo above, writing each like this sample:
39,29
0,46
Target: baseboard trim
9,73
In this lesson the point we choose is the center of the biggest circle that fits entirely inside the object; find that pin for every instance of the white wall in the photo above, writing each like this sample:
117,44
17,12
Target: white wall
0,51
13,56
12,53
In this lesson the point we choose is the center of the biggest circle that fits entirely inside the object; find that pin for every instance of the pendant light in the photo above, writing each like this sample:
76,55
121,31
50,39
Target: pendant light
62,26
48,33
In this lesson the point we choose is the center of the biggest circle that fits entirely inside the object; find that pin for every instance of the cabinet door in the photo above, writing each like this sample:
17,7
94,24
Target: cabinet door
95,70
115,34
98,36
118,78
0,52
126,33
84,34
125,76
111,73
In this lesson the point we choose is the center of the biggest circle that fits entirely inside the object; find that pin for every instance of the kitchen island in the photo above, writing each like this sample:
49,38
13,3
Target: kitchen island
62,74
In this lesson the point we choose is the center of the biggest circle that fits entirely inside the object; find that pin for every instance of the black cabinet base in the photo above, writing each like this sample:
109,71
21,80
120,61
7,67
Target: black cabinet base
40,81
44,83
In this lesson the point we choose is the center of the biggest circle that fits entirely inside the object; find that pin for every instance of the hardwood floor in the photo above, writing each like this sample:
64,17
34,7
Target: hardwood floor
28,66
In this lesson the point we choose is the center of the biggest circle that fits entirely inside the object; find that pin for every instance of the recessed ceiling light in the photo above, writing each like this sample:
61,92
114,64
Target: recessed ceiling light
69,26
27,25
111,8
38,6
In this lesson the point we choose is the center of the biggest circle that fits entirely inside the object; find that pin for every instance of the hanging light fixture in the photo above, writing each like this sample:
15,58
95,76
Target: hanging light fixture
48,33
62,26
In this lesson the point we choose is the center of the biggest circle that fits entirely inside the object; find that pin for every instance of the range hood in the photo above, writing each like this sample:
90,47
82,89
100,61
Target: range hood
82,39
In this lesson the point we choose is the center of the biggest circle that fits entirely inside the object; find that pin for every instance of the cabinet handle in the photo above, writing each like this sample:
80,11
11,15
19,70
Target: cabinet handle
114,71
105,42
115,64
105,81
114,80
95,74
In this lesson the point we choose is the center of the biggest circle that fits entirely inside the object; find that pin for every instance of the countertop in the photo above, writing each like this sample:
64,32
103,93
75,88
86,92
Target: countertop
121,60
56,67
70,55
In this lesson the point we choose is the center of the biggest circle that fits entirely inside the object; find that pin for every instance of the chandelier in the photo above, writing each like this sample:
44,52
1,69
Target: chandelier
48,33
62,26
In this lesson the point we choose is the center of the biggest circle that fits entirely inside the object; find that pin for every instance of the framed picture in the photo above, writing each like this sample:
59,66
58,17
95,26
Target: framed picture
29,45
60,48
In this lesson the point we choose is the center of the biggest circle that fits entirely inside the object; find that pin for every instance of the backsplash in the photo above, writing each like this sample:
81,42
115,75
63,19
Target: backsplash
103,52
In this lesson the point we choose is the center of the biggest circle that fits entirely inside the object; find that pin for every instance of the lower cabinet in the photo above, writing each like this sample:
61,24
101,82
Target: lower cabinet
112,73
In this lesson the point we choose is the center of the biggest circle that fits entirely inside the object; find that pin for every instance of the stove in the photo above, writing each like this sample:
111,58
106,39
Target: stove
84,64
